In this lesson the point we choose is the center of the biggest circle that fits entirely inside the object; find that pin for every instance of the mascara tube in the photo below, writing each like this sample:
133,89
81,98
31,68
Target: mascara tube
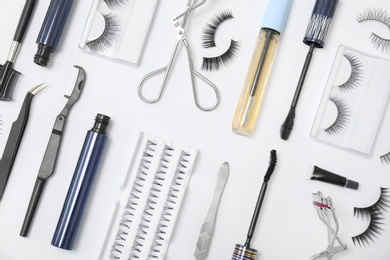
51,30
81,184
252,93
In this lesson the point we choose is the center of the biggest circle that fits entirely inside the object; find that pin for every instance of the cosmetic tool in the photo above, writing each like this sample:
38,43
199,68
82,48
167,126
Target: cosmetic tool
245,252
206,232
323,175
15,137
315,36
255,84
209,30
80,186
180,23
326,213
385,158
51,31
9,76
50,157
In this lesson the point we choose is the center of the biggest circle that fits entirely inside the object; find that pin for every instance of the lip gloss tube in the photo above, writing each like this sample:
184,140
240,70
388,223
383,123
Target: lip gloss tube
252,93
51,30
81,184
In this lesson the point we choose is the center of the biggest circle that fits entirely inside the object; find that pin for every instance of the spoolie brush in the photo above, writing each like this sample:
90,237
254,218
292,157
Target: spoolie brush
244,251
315,37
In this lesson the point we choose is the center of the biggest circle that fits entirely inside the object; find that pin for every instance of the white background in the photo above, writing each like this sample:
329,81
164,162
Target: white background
288,226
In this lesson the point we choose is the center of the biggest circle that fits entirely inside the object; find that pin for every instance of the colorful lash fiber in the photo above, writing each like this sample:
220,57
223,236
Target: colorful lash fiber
151,196
374,214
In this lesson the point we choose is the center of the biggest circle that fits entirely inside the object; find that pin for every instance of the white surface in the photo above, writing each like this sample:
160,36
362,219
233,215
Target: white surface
288,226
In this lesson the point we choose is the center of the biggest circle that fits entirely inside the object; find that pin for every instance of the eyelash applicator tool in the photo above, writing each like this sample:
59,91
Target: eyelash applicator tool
180,38
315,37
53,147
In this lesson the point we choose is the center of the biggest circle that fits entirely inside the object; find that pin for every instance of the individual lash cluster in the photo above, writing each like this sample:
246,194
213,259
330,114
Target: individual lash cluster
144,219
374,214
208,41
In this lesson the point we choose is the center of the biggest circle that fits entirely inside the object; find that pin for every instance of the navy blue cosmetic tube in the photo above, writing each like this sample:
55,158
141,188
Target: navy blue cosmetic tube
51,30
81,184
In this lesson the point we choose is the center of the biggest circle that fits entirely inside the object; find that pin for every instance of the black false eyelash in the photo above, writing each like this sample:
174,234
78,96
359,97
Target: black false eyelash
342,117
356,73
380,16
215,63
108,37
208,33
114,4
375,214
385,158
132,202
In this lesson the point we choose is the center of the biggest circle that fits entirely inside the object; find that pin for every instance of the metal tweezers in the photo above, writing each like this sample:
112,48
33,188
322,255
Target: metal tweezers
326,214
180,23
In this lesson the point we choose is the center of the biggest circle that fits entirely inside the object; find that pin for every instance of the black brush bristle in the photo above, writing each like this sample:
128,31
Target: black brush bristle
288,124
271,167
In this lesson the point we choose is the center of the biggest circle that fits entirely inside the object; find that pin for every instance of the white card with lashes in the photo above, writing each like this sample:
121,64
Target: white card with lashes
149,200
118,29
354,101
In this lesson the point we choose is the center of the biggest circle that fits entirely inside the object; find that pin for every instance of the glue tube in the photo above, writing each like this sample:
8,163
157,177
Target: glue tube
81,184
320,174
252,93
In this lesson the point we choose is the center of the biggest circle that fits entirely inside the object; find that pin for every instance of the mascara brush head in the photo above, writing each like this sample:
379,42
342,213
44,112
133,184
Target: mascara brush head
288,124
272,163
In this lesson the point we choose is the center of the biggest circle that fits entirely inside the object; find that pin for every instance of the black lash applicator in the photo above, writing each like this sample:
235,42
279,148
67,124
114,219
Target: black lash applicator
9,76
245,252
316,32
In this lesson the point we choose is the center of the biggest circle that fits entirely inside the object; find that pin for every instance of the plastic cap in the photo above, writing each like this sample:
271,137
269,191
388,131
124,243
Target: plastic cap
276,14
352,185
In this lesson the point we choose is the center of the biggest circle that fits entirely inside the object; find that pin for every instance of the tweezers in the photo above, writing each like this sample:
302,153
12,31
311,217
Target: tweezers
15,137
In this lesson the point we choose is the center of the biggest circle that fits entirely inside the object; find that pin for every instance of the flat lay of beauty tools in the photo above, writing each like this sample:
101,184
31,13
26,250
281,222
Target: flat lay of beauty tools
155,135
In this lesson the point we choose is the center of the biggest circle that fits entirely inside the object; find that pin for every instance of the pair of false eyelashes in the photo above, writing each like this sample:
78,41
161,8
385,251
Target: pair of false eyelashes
374,214
148,212
381,16
208,41
112,28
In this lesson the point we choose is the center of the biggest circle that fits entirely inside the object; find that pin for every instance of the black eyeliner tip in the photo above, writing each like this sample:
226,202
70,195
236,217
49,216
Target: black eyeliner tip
272,164
288,125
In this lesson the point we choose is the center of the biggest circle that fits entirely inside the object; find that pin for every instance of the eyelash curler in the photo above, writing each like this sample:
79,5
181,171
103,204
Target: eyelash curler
180,23
325,210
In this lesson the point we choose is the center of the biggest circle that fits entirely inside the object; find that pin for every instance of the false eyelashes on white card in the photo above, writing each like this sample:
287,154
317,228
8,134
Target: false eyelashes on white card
354,101
150,199
118,29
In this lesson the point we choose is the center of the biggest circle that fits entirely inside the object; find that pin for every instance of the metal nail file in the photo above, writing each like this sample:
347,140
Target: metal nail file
53,147
206,232
15,137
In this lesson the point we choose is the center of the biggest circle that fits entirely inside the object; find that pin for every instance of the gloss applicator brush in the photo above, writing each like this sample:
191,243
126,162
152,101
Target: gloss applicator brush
315,37
245,252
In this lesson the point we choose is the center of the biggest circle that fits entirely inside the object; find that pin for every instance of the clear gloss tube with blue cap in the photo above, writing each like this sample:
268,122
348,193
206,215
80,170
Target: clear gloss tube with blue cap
51,30
252,93
81,184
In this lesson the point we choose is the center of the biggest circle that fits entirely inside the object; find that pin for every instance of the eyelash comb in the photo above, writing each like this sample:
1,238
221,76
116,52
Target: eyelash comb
245,251
316,33
49,159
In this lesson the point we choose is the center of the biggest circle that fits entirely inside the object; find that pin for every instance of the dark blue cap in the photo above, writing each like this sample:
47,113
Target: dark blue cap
319,22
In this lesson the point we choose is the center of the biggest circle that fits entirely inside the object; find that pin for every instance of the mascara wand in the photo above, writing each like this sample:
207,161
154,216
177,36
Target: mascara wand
245,252
316,32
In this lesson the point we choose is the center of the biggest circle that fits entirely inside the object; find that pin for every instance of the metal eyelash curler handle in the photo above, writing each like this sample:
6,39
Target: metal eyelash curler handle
180,37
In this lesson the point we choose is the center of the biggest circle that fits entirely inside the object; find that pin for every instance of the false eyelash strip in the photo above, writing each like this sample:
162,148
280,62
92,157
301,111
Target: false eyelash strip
110,34
125,29
115,4
208,33
151,195
342,117
215,63
380,16
362,97
374,214
385,158
356,73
